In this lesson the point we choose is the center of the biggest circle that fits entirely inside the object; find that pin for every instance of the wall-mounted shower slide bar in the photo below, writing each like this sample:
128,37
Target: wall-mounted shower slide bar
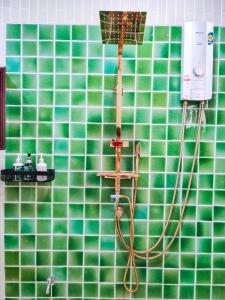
128,27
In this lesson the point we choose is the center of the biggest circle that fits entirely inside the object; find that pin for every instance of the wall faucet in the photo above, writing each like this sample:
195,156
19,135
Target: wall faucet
50,283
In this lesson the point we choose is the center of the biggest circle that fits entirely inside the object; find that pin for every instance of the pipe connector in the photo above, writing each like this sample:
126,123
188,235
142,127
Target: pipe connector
116,196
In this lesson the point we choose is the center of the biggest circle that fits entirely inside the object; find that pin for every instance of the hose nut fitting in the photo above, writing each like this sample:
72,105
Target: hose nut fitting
119,212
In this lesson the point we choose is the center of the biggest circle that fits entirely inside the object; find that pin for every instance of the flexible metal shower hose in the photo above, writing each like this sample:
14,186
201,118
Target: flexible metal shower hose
131,264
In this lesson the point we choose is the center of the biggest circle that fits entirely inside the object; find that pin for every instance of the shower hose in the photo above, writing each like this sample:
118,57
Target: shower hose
147,254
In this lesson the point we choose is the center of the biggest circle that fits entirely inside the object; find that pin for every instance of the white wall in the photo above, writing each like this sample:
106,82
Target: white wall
160,12
86,11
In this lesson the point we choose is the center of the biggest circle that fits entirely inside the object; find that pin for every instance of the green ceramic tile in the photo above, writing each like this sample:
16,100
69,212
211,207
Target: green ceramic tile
28,289
144,66
78,65
175,50
145,51
13,97
175,67
62,32
79,32
11,227
148,33
161,50
160,67
144,83
13,64
160,83
29,31
29,48
29,65
95,49
13,81
11,242
62,48
13,48
174,84
62,65
29,81
94,82
176,33
161,33
62,98
29,97
79,49
12,289
13,114
110,66
46,48
45,65
12,130
46,32
13,31
62,82
94,33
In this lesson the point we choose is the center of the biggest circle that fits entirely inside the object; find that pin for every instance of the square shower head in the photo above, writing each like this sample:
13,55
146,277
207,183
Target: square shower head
126,25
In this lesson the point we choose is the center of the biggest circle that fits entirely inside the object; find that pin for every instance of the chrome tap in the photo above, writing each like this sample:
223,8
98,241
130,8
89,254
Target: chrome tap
50,283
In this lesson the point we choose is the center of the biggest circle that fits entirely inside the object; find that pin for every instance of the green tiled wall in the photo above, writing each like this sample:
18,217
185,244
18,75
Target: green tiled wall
60,101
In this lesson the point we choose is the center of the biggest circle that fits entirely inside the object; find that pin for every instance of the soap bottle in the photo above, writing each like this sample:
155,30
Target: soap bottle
28,167
41,166
18,166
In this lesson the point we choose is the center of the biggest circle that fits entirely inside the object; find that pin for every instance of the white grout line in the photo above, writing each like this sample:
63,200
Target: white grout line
69,165
214,172
52,161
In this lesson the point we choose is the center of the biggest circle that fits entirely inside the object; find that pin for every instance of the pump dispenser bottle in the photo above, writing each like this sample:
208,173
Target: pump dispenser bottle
18,166
41,166
28,167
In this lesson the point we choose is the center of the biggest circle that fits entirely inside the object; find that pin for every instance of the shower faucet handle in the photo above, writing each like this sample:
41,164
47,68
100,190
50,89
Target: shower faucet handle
50,283
119,143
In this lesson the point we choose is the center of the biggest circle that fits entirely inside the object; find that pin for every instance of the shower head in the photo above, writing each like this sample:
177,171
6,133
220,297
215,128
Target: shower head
120,27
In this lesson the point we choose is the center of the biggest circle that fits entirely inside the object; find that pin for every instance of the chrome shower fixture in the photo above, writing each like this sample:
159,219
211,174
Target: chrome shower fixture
120,27
128,28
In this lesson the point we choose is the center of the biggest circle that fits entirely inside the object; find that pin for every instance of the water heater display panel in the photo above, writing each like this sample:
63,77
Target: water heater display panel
197,61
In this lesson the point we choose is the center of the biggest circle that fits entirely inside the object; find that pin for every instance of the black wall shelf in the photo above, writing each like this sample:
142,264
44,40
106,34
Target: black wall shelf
27,176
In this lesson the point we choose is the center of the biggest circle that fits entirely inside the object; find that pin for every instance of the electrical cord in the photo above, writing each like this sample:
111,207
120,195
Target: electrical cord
119,210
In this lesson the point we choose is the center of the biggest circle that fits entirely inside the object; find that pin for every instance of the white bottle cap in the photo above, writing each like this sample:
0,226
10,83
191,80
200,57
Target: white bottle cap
41,160
18,159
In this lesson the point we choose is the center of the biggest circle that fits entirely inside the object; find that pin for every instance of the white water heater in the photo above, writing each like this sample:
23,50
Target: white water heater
197,61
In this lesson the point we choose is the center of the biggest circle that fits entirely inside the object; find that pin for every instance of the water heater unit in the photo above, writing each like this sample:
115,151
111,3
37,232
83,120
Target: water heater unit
197,61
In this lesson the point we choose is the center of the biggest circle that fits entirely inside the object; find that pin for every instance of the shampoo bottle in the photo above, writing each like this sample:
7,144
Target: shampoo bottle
18,166
41,166
28,167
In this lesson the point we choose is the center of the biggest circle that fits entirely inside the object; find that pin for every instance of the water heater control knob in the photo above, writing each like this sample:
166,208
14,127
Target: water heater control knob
198,71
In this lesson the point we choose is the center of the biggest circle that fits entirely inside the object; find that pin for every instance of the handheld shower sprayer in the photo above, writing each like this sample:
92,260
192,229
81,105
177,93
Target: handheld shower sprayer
128,27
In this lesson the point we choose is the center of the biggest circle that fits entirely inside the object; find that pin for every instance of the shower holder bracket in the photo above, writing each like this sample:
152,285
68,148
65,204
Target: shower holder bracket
119,144
21,176
120,175
118,91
